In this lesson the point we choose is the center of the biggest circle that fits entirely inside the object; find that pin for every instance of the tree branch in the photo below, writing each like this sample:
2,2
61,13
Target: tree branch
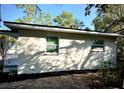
116,21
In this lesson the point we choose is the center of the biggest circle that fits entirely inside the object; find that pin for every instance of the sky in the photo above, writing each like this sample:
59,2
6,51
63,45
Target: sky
9,12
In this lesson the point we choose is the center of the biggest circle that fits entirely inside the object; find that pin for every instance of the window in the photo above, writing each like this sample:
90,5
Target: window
52,44
98,45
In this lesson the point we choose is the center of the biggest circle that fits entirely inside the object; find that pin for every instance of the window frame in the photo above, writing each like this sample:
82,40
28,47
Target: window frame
50,53
102,46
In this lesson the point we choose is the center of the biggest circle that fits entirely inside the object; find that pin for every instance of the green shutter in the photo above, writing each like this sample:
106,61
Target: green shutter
98,42
52,44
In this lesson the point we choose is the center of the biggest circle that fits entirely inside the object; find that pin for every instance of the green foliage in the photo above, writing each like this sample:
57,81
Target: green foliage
120,49
2,36
99,23
101,8
6,43
106,65
109,17
109,74
28,9
43,19
27,19
66,19
77,24
32,15
19,20
87,29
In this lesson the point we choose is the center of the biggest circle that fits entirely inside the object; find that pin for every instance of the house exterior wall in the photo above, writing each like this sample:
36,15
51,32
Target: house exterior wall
74,52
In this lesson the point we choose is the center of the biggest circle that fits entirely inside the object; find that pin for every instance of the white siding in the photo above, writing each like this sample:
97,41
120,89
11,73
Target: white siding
74,52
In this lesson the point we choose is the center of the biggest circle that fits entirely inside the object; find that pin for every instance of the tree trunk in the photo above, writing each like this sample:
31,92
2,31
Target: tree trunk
1,72
1,69
2,63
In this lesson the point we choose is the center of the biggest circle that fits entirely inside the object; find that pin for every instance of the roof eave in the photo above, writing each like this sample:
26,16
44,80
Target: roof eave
9,33
31,27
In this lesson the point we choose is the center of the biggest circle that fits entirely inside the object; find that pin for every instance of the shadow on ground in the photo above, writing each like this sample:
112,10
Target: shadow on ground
54,80
12,78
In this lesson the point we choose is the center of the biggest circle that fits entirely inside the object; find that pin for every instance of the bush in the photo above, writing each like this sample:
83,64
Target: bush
110,74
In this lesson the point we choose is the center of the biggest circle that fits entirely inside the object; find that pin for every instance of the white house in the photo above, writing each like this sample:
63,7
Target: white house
42,49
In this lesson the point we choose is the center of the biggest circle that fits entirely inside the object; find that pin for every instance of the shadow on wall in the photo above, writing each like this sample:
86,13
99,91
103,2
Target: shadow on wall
76,52
75,56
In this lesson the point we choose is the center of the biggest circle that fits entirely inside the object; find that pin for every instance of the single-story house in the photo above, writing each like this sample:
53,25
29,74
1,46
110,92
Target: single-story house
42,48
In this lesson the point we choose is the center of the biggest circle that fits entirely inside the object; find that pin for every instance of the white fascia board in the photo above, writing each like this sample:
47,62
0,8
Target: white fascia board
54,29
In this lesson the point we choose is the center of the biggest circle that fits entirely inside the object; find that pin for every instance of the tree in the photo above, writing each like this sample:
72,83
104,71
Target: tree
66,19
109,17
87,29
6,43
30,11
101,8
43,19
34,14
77,24
19,20
100,23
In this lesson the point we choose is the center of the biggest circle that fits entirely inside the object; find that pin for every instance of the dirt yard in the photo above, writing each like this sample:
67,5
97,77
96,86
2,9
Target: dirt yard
65,81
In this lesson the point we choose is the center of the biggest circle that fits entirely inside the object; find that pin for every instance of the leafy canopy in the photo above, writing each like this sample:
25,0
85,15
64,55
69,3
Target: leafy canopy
66,19
35,15
6,43
110,18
